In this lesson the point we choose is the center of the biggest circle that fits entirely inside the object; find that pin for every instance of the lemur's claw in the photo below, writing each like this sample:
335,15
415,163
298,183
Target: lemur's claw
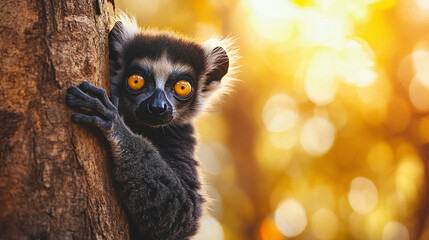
81,97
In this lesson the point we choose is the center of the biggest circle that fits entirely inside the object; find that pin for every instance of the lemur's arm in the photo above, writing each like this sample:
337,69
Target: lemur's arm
159,201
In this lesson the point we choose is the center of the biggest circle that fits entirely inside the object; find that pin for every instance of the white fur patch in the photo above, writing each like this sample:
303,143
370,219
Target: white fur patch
131,28
163,68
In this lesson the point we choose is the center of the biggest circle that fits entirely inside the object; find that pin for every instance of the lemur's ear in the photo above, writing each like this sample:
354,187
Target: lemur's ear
115,44
217,67
124,30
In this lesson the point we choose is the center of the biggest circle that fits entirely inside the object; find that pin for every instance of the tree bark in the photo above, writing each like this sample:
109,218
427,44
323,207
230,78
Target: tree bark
55,177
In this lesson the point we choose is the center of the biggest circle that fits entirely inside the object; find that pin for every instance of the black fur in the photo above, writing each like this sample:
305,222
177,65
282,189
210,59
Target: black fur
158,183
177,49
154,167
114,37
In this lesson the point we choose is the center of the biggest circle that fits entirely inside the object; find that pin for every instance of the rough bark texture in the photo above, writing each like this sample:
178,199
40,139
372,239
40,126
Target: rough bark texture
55,180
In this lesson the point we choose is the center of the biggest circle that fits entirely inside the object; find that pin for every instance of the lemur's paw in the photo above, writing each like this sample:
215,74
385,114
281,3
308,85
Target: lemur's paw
81,97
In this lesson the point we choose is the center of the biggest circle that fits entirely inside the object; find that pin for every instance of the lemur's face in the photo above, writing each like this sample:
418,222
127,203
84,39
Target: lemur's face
159,78
156,89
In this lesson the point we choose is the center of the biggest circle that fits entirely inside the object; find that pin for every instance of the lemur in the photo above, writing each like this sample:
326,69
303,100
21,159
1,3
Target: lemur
159,82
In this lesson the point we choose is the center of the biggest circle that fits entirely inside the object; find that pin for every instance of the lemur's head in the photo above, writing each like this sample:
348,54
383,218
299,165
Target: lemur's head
161,78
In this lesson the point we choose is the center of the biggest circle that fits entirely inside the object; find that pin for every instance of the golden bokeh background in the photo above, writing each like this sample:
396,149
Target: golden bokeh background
326,134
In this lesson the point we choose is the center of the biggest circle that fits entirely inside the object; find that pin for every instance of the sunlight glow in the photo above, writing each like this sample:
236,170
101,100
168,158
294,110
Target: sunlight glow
284,140
151,7
323,136
210,229
380,157
354,62
399,114
395,231
420,63
320,83
406,70
269,231
363,195
324,224
273,19
210,162
418,94
423,129
215,206
318,28
290,218
280,113
423,4
272,155
375,101
409,176
317,136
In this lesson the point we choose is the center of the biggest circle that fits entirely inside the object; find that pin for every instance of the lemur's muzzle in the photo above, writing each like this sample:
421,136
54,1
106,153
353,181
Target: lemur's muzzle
155,110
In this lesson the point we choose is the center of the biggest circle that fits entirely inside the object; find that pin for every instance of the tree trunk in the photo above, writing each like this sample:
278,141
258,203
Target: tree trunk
55,176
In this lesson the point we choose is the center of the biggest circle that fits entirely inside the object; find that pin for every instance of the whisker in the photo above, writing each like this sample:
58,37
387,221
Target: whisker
177,128
163,130
174,133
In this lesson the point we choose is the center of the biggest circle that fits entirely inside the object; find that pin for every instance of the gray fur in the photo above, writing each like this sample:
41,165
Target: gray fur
162,204
153,152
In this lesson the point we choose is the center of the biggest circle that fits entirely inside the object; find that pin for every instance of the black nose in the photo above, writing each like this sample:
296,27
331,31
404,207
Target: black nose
158,104
158,109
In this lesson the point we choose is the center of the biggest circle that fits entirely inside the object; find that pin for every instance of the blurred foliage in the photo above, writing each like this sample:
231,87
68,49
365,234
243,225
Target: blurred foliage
325,136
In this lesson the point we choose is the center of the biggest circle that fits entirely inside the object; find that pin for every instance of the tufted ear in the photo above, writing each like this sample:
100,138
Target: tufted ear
115,42
116,45
217,68
124,30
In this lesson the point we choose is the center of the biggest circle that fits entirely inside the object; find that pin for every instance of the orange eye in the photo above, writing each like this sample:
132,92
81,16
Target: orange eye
136,82
183,88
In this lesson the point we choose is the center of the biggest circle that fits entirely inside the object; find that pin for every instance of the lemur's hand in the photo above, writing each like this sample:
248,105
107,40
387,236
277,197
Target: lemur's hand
105,109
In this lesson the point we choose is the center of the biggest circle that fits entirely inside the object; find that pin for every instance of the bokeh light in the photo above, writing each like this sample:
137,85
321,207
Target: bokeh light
320,82
354,61
423,4
269,230
290,218
418,94
409,177
210,229
363,195
395,231
324,224
317,136
326,133
421,71
280,113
